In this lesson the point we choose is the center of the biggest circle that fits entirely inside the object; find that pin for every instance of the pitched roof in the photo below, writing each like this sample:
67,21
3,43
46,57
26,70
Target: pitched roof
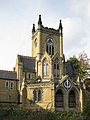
69,69
10,75
28,63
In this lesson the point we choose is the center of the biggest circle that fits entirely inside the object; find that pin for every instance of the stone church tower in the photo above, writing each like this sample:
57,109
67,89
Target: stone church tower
45,80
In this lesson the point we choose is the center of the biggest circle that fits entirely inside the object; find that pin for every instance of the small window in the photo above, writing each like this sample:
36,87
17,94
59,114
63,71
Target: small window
37,95
11,84
29,76
7,84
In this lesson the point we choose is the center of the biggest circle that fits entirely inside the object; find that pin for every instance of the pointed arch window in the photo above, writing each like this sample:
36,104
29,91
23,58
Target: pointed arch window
59,99
35,95
39,95
56,68
72,99
45,68
50,46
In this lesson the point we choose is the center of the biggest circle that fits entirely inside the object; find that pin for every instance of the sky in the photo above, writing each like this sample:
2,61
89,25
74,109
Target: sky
18,16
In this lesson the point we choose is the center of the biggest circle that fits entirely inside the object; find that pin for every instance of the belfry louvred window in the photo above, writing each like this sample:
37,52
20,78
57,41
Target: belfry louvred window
50,46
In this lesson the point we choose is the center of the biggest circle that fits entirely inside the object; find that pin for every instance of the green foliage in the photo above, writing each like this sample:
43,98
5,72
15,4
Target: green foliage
75,63
79,68
22,114
86,112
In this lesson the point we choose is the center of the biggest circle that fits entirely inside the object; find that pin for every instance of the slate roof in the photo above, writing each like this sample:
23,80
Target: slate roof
28,63
9,75
69,69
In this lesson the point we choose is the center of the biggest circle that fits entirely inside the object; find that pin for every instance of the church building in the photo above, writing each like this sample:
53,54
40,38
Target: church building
43,80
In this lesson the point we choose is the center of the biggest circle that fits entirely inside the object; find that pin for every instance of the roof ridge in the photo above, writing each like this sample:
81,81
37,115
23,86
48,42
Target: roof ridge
6,71
27,56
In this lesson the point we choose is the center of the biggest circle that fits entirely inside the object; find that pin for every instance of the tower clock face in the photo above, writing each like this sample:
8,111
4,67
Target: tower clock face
67,84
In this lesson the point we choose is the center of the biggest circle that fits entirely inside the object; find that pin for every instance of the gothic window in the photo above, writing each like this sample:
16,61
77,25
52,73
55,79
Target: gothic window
59,98
72,99
50,46
56,68
45,68
37,95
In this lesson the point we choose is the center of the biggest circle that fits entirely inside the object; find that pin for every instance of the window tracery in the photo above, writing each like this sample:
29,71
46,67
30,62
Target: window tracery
50,46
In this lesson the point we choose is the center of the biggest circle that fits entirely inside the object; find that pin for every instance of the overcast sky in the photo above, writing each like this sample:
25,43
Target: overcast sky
18,16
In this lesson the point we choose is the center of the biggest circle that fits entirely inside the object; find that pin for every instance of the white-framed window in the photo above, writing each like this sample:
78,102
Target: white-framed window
6,84
11,84
45,68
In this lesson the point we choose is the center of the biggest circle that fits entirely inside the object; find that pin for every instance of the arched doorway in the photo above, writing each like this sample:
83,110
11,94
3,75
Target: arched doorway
59,99
72,99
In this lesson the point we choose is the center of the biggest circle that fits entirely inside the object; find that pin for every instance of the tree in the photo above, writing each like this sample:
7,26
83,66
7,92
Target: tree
75,63
86,111
81,65
84,60
84,63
